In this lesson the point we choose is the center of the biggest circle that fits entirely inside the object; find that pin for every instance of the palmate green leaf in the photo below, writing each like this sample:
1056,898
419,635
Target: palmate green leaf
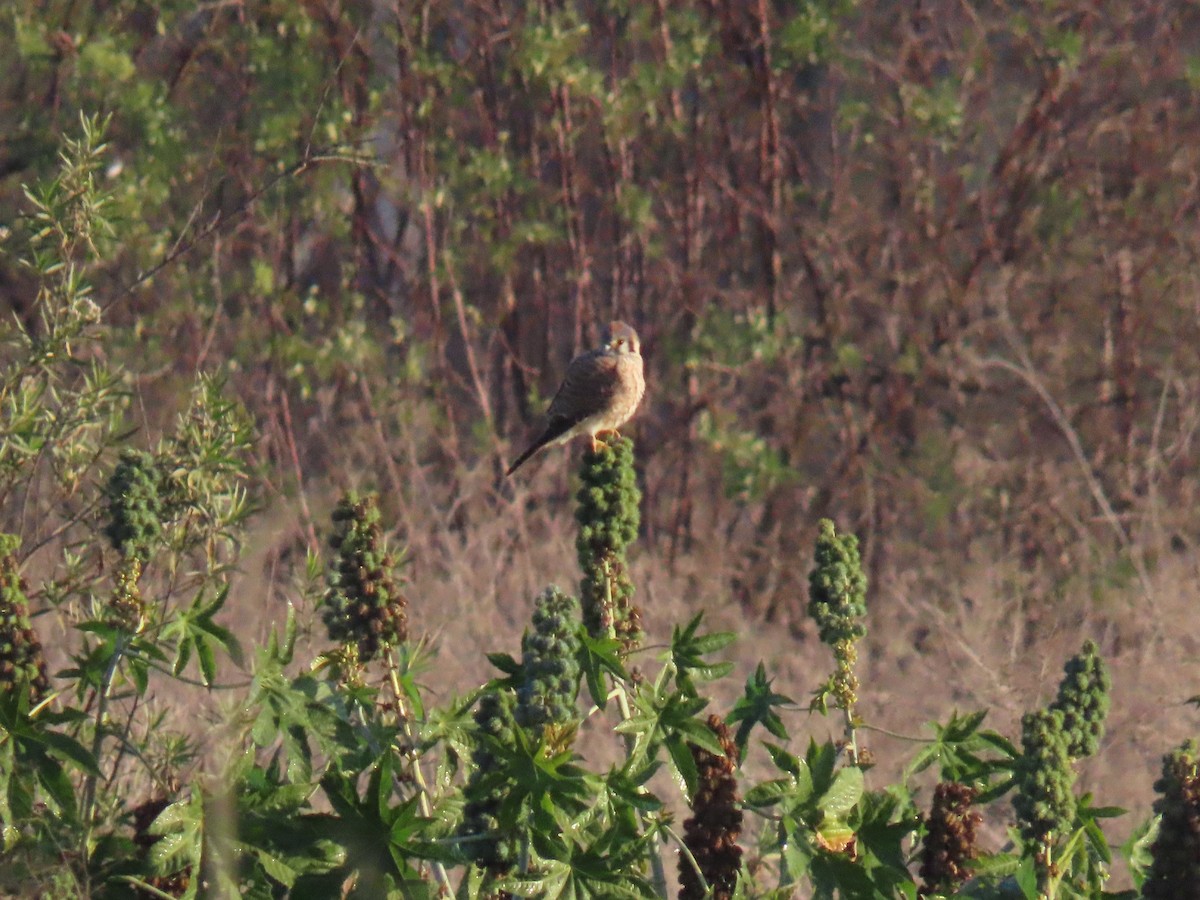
576,863
180,829
68,749
821,760
504,662
832,872
784,761
768,793
884,820
375,832
683,765
843,793
757,706
796,852
963,752
994,866
795,791
1026,878
1136,850
54,781
597,656
627,788
275,867
194,629
687,655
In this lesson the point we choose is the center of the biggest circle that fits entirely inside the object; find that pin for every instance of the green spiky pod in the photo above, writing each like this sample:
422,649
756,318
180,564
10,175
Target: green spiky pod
1044,803
135,509
1083,699
1175,870
22,666
949,838
837,591
608,515
363,604
550,664
837,587
711,834
483,840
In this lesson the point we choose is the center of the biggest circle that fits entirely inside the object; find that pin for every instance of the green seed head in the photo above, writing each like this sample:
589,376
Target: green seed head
362,603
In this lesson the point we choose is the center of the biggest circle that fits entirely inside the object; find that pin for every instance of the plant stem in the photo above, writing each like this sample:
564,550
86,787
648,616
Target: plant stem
687,854
414,762
89,784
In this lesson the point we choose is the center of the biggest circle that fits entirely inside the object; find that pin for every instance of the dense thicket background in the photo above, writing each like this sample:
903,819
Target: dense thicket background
929,269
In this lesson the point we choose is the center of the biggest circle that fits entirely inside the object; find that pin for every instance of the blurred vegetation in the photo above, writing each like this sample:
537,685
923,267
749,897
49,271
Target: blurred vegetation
928,271
932,268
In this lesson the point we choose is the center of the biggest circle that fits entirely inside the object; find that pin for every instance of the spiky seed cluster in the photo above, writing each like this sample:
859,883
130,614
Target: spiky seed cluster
608,517
1044,803
949,838
550,664
1083,700
837,591
22,666
1175,870
363,604
712,832
484,841
135,509
837,587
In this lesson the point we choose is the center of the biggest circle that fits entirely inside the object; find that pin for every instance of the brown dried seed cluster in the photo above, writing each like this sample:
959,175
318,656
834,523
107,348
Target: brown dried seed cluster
363,604
949,838
1175,871
711,833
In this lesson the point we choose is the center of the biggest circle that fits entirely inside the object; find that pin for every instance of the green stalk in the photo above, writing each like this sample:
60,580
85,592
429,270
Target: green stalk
658,872
89,784
414,762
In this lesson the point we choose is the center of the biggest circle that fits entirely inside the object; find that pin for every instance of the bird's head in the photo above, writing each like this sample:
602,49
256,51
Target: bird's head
620,338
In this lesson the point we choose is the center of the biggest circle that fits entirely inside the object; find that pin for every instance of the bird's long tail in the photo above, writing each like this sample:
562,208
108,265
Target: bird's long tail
537,445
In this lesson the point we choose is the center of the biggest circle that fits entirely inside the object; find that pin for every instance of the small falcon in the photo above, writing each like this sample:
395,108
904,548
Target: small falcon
601,390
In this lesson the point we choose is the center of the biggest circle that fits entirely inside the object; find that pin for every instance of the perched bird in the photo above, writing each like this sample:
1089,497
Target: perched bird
600,391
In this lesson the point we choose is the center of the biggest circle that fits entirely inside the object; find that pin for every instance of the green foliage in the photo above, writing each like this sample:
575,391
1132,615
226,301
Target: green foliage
343,780
608,515
363,605
1083,700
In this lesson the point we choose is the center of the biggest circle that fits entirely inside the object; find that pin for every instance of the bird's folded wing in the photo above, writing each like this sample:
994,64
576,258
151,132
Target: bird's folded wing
590,383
